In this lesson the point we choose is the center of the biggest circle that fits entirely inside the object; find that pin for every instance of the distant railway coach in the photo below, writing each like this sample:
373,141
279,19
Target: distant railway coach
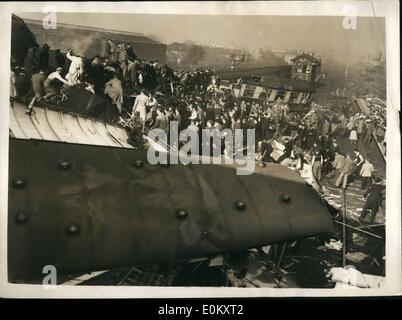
296,100
293,84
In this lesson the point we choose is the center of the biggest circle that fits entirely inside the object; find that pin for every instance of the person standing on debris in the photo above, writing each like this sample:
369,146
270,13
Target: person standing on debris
104,48
132,72
29,61
38,87
346,109
366,174
316,162
325,127
287,151
360,127
338,163
151,101
140,105
374,197
160,121
22,82
369,131
135,135
351,123
114,89
353,135
76,68
358,161
345,172
343,125
60,60
112,49
266,150
44,57
123,61
380,132
177,117
130,52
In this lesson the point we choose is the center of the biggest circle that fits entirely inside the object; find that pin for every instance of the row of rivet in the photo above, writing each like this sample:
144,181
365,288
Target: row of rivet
20,183
65,165
73,228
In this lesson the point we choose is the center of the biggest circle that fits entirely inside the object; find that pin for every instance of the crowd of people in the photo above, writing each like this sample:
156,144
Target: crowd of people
144,95
307,144
114,77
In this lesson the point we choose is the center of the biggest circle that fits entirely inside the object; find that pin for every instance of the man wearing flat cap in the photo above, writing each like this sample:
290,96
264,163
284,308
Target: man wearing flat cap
53,83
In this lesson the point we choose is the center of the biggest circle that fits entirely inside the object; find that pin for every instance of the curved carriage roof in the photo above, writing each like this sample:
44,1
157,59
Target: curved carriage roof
74,30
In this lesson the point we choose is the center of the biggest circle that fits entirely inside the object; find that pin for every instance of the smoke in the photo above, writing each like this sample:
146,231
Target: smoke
82,44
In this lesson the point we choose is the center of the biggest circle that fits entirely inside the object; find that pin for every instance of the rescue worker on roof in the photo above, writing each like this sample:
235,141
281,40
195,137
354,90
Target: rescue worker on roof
38,80
104,48
140,105
112,49
114,89
135,134
53,83
76,68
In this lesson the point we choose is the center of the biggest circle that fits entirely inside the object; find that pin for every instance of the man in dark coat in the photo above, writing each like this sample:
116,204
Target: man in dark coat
29,61
266,150
135,134
374,197
130,52
60,59
22,82
288,150
44,57
38,80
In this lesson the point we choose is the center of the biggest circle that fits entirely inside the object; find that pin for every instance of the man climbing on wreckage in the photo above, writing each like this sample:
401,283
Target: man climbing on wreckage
374,197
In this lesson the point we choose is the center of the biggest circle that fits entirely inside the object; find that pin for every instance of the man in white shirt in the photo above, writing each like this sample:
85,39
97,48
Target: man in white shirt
76,68
52,83
366,173
338,163
140,105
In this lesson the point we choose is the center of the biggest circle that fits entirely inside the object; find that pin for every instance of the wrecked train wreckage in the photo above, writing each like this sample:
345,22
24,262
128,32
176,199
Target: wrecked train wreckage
82,199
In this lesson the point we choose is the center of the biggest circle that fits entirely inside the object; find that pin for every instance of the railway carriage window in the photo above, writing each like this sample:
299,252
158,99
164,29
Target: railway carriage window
263,95
293,97
305,98
249,91
304,68
299,67
309,68
269,91
280,94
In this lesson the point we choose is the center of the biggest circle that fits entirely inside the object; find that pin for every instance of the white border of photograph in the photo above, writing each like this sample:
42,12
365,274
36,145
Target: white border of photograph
377,8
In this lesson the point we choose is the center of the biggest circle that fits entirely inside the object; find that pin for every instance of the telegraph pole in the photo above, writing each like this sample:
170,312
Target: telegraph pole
344,227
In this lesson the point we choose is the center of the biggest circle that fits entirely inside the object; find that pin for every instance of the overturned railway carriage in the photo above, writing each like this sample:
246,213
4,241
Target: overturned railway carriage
297,99
293,84
82,199
86,41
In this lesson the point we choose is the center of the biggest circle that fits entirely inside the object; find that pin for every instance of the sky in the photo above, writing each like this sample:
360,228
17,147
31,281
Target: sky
314,34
